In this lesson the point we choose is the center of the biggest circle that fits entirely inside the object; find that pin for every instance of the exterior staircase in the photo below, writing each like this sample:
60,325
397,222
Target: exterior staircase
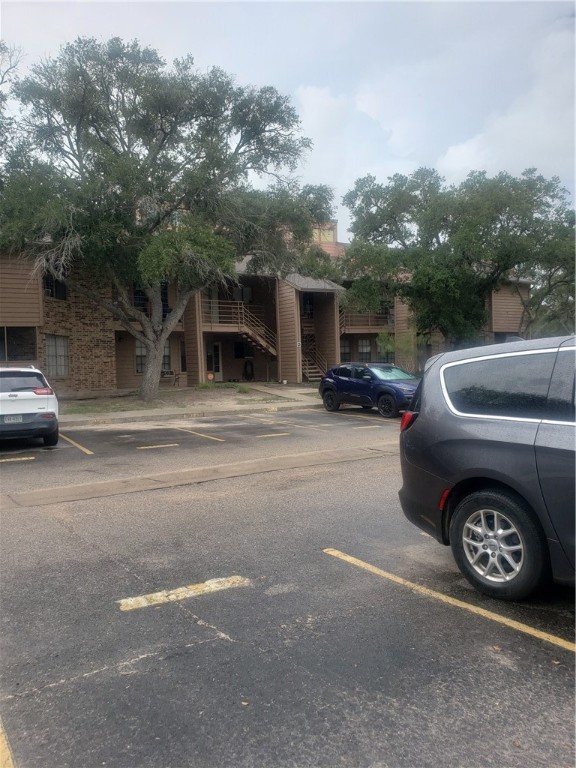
314,365
236,315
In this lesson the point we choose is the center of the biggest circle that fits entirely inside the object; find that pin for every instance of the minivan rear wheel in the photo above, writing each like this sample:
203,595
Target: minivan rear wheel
497,545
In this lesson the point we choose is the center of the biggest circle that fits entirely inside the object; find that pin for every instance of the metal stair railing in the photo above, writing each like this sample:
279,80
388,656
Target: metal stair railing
217,312
314,357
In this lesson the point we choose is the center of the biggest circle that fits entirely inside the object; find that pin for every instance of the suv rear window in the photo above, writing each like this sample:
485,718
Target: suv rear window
508,385
21,382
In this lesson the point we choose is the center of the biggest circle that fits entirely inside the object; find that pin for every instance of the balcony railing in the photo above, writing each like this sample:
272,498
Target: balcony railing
361,320
241,316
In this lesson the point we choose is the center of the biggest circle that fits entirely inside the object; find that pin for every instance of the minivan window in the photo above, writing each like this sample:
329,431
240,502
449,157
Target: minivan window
560,406
507,385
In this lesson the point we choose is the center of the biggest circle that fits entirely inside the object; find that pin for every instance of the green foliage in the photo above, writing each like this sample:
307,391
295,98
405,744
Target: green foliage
386,344
191,256
444,249
137,173
315,262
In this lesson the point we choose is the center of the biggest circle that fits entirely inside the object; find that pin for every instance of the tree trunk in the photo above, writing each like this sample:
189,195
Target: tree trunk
152,369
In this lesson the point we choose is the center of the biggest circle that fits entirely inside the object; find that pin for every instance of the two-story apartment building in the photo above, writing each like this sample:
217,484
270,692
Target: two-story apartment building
264,328
361,332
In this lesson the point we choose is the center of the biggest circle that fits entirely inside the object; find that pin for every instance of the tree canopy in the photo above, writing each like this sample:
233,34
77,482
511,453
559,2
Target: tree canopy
136,173
446,248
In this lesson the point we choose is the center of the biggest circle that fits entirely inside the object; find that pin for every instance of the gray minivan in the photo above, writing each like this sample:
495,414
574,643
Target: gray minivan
487,456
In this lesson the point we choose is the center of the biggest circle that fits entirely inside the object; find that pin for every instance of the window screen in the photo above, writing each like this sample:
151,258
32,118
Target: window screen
57,359
364,352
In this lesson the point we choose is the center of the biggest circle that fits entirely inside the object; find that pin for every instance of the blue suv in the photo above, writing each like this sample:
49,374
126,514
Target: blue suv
369,385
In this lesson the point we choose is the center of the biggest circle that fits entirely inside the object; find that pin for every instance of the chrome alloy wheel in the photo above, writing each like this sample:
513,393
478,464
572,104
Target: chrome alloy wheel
493,545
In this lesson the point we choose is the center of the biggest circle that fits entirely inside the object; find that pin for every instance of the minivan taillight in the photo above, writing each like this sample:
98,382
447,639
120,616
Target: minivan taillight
408,418
43,391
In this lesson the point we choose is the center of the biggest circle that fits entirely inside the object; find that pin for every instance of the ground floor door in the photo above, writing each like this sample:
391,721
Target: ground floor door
214,359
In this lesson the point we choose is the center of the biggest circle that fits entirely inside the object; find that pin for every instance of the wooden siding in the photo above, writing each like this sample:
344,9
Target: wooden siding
326,321
20,294
507,310
289,341
125,352
194,341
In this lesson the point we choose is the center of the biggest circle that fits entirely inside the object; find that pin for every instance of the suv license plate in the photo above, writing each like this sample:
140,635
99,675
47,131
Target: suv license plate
12,419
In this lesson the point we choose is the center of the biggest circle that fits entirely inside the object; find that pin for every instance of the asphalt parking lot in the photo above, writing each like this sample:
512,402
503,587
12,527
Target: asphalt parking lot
114,450
262,602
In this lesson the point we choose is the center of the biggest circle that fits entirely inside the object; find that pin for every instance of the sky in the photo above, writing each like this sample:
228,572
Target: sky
380,87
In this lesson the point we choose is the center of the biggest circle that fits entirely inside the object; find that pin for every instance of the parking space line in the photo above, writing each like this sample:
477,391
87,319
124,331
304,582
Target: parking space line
6,760
76,445
266,420
200,434
276,434
369,426
511,623
149,447
18,458
181,593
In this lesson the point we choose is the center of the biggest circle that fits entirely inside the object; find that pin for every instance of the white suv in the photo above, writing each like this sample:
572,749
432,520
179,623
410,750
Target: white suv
28,405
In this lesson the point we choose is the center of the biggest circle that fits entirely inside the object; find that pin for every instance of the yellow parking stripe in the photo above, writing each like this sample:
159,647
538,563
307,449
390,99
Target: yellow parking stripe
276,434
148,447
19,458
5,751
77,445
517,625
199,434
172,595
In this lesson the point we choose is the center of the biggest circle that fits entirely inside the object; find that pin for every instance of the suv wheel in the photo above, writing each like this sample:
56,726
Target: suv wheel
387,406
52,438
330,400
497,546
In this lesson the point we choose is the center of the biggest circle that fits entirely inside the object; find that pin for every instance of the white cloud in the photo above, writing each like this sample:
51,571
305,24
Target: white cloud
535,130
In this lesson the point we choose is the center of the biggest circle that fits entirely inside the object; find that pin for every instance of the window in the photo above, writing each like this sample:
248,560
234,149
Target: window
345,371
560,406
364,350
22,381
54,288
142,302
345,354
57,360
308,306
507,385
17,344
141,353
183,357
359,372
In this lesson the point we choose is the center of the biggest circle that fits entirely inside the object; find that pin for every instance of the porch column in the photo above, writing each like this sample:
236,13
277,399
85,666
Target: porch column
194,341
289,341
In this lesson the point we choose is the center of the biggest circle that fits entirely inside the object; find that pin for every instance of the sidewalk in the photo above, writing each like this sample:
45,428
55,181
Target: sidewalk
279,398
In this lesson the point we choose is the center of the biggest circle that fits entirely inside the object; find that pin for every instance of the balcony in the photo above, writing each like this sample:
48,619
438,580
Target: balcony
366,322
237,317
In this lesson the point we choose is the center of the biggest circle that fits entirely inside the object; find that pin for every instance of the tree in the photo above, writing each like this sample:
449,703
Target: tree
139,174
10,58
455,244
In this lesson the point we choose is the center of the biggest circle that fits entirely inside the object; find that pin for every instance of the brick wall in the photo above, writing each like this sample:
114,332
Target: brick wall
90,332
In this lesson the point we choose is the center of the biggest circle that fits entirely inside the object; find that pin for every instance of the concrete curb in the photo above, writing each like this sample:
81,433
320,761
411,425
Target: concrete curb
161,414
